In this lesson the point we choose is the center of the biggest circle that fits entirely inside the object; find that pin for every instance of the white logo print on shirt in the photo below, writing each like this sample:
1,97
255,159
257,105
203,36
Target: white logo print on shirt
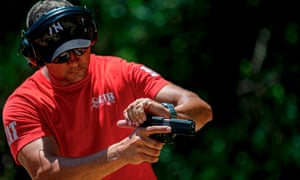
150,71
106,98
11,132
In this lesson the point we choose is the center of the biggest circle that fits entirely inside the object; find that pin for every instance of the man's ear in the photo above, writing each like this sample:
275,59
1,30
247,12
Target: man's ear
31,62
93,42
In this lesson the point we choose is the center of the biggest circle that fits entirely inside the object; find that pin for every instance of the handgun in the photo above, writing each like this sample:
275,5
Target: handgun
180,127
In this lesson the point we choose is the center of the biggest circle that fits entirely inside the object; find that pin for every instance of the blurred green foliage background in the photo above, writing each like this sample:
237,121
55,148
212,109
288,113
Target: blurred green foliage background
240,56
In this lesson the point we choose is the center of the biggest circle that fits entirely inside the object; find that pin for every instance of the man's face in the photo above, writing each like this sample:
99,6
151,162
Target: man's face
70,72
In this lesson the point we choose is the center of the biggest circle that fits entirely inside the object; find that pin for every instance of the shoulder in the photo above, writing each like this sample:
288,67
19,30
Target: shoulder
30,89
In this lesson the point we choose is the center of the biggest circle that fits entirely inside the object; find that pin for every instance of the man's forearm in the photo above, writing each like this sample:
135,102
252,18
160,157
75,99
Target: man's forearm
95,166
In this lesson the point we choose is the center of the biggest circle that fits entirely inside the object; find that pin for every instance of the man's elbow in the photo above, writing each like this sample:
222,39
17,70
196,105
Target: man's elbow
205,116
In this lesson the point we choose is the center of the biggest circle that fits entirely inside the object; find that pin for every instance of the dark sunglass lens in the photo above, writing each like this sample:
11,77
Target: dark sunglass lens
65,57
79,51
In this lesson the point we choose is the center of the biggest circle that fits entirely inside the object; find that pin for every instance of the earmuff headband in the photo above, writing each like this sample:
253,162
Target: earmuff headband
54,31
53,15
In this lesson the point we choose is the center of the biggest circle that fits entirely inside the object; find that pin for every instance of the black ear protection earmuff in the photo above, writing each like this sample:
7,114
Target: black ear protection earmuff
27,44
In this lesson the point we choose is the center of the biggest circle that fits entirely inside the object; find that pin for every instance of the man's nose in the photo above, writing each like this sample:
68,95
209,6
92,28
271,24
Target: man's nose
74,59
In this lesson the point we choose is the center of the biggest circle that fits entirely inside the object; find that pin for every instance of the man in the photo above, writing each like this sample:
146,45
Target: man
78,115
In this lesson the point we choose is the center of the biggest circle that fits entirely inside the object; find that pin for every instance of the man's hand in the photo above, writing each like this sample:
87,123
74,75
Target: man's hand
135,113
140,147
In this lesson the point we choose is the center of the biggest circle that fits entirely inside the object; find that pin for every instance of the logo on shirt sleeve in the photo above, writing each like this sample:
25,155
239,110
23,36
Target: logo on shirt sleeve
11,132
148,70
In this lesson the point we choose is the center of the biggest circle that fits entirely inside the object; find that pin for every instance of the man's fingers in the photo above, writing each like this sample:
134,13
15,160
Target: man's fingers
124,124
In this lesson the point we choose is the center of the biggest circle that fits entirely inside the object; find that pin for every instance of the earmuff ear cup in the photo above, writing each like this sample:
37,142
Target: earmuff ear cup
95,31
92,29
27,51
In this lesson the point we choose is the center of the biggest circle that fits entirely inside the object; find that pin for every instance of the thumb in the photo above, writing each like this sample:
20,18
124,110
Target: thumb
124,124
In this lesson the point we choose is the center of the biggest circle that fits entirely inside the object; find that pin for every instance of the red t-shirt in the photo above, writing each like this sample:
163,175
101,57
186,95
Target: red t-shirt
81,117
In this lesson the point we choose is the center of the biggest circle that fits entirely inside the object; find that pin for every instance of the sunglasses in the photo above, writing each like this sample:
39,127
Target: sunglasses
65,56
